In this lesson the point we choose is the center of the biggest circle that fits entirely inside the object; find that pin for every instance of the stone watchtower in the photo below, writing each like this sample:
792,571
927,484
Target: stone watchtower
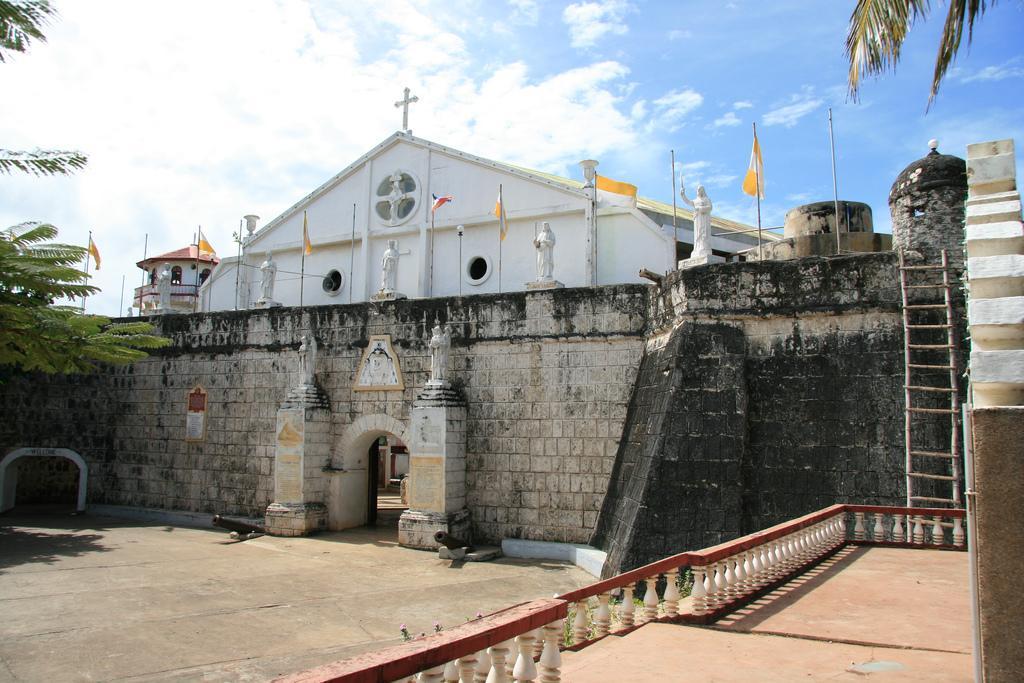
927,206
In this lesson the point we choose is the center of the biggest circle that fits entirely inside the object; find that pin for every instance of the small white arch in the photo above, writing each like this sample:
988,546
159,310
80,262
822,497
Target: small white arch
362,431
347,488
9,478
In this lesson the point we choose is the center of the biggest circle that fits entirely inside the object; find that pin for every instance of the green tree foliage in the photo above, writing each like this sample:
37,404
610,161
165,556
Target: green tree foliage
37,334
21,23
879,27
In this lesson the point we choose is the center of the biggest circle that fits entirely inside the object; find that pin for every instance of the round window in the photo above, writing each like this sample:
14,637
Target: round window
478,269
333,282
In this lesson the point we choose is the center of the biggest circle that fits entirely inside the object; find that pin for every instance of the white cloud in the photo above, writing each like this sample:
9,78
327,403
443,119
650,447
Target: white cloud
672,107
798,197
249,110
524,12
720,180
742,104
679,34
997,72
588,22
727,119
798,106
639,110
693,167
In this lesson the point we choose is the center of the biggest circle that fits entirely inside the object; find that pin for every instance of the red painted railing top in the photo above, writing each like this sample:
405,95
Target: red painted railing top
401,661
404,660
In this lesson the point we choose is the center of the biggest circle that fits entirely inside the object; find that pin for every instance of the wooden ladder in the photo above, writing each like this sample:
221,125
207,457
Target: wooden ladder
922,363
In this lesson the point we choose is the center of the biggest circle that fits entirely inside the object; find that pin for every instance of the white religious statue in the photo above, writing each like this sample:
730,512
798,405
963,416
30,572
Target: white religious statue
396,194
440,344
545,245
389,267
307,360
269,271
701,221
163,287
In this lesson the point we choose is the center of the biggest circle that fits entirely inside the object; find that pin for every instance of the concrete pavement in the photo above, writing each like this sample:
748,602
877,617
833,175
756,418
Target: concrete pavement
98,599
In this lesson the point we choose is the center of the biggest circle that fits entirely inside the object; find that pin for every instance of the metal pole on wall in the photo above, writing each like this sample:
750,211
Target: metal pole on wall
88,246
675,228
238,261
835,186
352,255
462,229
757,190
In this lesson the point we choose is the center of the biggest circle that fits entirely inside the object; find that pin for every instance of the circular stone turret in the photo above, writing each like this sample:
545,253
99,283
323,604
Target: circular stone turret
820,218
927,205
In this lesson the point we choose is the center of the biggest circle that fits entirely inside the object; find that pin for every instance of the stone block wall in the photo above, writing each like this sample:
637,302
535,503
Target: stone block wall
767,390
730,398
547,377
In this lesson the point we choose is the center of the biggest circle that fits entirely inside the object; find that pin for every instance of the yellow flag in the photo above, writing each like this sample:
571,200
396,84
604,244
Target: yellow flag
499,212
94,252
307,246
753,182
204,246
615,186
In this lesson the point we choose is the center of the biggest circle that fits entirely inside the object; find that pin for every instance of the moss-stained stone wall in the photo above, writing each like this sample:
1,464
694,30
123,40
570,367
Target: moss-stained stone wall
647,419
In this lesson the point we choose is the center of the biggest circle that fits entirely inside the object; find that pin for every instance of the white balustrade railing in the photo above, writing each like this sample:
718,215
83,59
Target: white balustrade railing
523,643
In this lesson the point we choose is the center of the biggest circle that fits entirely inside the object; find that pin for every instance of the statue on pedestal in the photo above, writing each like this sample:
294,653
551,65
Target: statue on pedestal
307,360
389,267
269,272
440,344
701,220
163,287
545,245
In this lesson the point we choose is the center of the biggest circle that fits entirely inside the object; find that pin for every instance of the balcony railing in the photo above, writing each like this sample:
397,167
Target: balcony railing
522,643
150,294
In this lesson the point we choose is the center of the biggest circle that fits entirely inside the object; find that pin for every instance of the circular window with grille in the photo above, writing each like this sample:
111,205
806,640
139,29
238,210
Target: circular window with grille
333,282
478,269
397,196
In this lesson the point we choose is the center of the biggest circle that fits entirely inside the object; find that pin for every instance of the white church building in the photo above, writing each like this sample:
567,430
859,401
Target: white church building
387,194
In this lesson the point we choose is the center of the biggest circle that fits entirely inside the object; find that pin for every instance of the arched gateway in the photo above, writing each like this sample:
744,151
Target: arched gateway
9,476
353,476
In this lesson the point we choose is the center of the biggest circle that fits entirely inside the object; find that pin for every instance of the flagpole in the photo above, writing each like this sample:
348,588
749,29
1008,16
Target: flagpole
195,278
675,228
145,249
120,304
430,275
835,186
238,261
302,262
757,189
87,249
501,211
352,255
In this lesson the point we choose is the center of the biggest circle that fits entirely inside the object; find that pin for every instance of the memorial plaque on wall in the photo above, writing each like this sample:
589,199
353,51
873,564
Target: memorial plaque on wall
426,483
195,417
291,439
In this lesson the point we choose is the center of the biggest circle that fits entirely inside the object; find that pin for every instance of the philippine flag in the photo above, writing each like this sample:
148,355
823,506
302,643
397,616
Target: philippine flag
440,201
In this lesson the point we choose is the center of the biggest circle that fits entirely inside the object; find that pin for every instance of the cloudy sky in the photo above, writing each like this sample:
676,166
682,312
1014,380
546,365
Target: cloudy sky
195,113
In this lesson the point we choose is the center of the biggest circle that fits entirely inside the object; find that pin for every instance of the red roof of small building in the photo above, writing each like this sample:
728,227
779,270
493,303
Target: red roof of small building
185,254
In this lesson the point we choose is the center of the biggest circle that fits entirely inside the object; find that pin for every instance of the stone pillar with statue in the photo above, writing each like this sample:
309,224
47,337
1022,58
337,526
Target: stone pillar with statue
302,450
437,457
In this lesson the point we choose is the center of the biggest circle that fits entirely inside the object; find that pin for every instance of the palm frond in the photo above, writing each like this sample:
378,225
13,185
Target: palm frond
875,38
42,162
21,23
952,33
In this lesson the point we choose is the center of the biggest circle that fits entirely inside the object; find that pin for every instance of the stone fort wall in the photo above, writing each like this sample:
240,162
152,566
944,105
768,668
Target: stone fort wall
547,377
645,419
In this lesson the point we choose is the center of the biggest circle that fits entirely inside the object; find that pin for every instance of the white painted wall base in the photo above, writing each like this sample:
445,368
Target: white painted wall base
587,558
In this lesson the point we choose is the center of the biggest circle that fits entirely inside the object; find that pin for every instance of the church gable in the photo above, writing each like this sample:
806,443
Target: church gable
393,185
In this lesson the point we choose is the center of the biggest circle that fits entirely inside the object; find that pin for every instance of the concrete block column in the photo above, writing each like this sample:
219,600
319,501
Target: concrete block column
437,471
302,449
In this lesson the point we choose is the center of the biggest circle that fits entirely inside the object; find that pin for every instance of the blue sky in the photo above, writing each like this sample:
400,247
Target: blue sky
198,113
